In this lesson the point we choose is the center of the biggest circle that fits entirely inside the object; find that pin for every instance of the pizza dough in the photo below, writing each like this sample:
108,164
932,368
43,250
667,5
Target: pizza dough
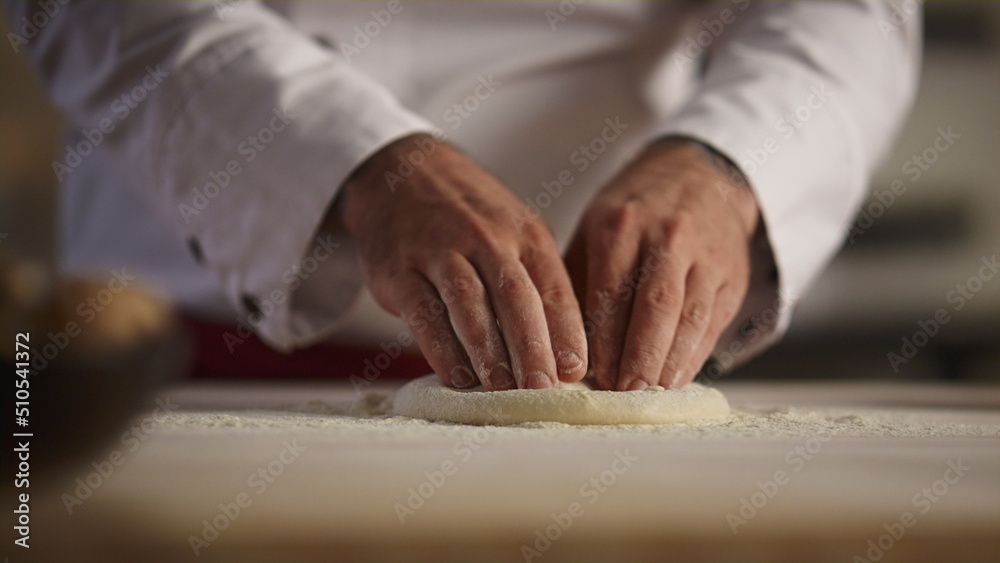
572,403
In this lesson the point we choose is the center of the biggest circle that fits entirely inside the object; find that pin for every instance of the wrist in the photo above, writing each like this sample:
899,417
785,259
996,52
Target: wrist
378,177
399,158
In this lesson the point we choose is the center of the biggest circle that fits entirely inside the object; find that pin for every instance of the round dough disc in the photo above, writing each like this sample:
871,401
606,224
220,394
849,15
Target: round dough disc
572,403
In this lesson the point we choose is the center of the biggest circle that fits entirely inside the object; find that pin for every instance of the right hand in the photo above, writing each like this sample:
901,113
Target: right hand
472,272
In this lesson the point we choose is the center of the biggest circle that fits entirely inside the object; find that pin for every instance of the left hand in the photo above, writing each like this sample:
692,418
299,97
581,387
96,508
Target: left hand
661,263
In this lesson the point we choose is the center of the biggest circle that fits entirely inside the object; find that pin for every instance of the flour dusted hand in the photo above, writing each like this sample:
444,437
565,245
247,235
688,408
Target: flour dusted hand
487,302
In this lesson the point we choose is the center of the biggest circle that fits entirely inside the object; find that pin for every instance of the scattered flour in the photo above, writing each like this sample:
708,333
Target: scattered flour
372,412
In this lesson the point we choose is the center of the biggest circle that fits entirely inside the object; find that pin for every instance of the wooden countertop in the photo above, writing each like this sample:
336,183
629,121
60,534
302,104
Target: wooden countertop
313,490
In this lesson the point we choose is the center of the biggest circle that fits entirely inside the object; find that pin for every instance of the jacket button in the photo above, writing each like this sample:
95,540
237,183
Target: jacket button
324,42
195,249
250,304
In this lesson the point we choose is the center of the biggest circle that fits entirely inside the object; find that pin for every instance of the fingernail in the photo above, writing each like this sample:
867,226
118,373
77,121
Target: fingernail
462,378
637,385
538,380
501,378
568,361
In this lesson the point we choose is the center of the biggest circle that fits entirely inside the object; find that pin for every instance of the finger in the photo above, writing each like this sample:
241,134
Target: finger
473,321
653,324
519,309
727,302
426,315
612,255
695,317
576,266
561,309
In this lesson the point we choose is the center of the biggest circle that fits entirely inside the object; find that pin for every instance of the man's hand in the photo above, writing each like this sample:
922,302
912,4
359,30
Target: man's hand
661,263
486,297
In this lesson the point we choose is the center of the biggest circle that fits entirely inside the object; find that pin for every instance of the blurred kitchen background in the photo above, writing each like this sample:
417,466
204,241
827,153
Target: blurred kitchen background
904,259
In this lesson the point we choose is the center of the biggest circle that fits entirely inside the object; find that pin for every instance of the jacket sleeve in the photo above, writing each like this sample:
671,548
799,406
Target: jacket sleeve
238,128
805,98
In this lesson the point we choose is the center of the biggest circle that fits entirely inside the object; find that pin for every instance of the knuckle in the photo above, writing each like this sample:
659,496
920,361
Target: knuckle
607,292
481,353
620,220
423,312
535,232
481,236
476,228
679,226
683,344
457,282
515,284
557,297
529,346
495,250
660,299
424,309
695,314
465,287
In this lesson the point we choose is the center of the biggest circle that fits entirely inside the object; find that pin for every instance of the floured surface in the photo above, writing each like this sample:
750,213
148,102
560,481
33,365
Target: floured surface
372,410
756,422
571,403
369,486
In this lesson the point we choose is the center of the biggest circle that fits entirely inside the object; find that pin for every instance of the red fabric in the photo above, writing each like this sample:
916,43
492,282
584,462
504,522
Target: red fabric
249,358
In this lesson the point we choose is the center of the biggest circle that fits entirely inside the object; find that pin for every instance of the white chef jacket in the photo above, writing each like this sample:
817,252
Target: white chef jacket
228,127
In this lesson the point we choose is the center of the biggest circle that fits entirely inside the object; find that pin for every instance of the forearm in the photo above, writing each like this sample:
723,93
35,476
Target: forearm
806,117
243,141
